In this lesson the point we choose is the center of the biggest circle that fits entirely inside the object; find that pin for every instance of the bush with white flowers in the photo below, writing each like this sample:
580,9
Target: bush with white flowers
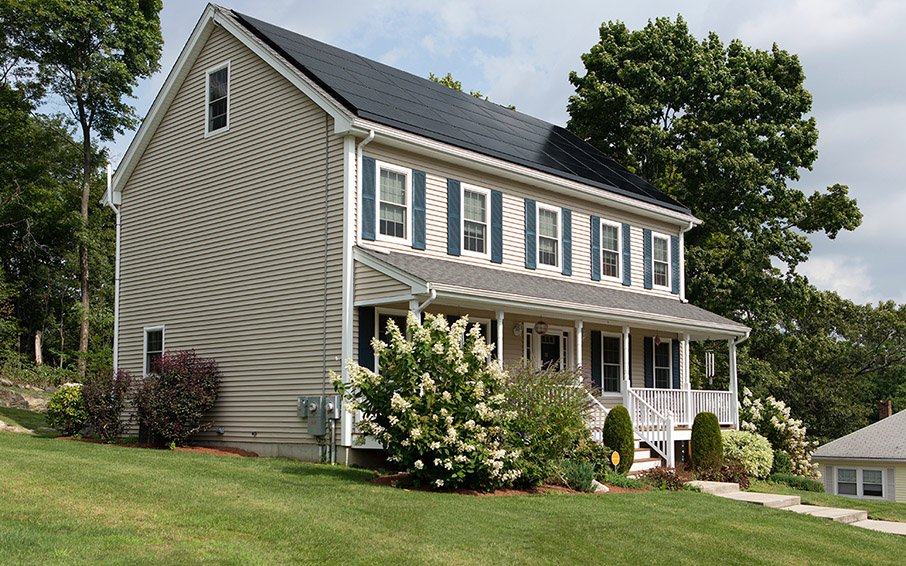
771,418
437,405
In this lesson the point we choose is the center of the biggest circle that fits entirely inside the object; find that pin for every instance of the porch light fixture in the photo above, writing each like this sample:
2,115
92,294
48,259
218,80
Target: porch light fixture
541,328
517,329
657,340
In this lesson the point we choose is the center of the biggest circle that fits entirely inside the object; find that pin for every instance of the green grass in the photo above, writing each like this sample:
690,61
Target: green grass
32,392
881,510
70,502
26,419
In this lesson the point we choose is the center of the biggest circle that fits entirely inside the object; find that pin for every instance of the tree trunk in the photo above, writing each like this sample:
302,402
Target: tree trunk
39,358
83,249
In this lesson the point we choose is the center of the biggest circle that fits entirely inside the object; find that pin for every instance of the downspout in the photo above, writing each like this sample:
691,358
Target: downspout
428,301
682,263
108,201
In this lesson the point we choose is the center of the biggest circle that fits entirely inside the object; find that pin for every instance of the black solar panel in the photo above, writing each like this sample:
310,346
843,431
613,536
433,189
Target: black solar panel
395,98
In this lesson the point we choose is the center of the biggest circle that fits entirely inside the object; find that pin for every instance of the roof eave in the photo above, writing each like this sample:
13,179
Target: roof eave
859,459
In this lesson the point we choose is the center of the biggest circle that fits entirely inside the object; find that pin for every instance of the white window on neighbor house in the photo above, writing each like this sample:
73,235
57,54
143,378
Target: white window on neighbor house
153,348
611,358
394,197
860,482
475,221
217,92
611,244
660,260
663,369
548,236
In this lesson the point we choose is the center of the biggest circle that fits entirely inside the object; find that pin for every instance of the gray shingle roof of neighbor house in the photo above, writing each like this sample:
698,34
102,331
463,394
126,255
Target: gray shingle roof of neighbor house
883,440
391,97
538,289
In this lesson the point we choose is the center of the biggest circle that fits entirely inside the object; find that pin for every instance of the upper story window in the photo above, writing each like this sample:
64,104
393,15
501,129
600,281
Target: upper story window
660,257
662,365
394,202
611,246
548,236
218,98
154,348
475,212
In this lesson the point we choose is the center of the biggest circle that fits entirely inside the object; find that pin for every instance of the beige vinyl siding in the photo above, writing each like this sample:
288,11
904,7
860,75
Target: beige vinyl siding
514,195
223,242
371,284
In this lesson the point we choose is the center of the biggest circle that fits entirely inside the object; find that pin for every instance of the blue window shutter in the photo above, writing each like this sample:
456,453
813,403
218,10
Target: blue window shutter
493,337
366,333
596,374
649,361
674,264
627,256
566,220
646,259
674,346
453,218
595,248
530,235
368,198
496,227
418,210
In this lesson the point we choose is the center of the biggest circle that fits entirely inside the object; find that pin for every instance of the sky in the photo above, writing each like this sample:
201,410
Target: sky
520,52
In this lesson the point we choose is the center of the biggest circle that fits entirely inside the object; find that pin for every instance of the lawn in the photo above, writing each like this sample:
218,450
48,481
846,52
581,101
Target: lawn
881,510
68,502
25,419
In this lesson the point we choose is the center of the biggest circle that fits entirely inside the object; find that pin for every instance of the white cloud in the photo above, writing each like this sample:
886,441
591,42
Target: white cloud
848,276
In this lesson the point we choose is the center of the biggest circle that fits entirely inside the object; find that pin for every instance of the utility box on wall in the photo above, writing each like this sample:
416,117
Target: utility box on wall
315,411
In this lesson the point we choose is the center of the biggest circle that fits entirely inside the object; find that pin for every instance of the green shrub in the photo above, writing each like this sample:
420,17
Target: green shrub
105,398
663,479
773,420
797,482
595,454
66,410
783,464
618,435
551,416
577,475
732,471
706,445
751,449
615,478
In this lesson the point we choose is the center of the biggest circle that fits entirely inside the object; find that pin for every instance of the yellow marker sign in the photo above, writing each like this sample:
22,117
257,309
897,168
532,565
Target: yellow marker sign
615,458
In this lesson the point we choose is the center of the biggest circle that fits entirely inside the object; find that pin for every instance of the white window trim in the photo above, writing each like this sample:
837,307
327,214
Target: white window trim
654,366
859,483
619,391
619,250
377,202
566,344
557,268
462,221
163,344
207,99
655,235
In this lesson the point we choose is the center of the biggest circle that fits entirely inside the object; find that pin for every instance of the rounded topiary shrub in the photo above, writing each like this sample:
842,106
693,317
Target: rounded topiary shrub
66,410
618,435
783,464
752,450
707,450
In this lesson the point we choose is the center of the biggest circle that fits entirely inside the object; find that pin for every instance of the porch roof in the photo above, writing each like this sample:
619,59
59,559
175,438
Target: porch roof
500,289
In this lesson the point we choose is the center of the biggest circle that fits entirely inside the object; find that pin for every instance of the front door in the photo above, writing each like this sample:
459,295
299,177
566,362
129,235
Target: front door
550,349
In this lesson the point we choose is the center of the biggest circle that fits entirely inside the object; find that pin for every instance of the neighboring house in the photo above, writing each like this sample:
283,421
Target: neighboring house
869,463
284,198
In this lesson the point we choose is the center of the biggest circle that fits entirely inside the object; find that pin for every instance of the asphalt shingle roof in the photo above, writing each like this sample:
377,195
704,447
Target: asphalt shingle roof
883,440
438,271
388,96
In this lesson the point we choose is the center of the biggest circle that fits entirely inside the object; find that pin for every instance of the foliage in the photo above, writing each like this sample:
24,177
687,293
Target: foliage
551,410
706,444
618,435
105,398
797,482
615,478
172,402
783,464
751,449
597,455
437,406
772,419
577,474
663,478
731,471
66,410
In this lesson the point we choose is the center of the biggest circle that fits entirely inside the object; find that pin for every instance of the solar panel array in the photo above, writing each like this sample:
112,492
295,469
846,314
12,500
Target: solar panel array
388,96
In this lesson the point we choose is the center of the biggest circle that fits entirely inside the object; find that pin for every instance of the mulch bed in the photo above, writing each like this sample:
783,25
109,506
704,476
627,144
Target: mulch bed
219,451
402,479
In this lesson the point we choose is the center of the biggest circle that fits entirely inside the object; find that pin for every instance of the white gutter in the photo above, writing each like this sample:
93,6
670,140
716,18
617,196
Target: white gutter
428,301
108,201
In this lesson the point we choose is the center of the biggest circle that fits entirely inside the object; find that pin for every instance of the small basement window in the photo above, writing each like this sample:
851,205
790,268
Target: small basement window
218,98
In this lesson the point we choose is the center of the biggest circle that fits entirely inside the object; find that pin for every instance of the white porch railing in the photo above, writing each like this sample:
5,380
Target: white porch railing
684,404
597,413
653,427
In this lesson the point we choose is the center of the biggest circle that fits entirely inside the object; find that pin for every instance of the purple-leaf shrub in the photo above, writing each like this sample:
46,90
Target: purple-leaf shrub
105,397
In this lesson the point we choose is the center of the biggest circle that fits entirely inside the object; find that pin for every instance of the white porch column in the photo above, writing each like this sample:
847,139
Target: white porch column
734,401
627,383
579,327
500,338
687,380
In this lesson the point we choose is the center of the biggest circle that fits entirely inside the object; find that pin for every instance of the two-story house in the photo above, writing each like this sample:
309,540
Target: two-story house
284,198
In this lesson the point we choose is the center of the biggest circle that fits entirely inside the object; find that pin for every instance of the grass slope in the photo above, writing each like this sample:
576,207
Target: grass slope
70,502
25,419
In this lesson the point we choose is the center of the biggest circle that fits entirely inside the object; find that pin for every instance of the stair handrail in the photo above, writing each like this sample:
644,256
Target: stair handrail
651,426
597,414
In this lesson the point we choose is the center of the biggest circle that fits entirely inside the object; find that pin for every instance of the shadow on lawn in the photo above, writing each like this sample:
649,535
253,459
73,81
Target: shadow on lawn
341,473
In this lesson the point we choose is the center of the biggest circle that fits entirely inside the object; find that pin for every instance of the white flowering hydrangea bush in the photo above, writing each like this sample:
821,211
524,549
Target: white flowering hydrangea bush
751,449
437,405
771,418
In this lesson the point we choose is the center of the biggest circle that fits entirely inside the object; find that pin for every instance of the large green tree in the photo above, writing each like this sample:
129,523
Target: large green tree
90,55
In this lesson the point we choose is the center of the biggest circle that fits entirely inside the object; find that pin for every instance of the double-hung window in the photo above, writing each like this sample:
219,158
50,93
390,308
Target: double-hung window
662,365
218,99
548,236
610,357
475,213
394,196
660,258
154,348
859,482
611,246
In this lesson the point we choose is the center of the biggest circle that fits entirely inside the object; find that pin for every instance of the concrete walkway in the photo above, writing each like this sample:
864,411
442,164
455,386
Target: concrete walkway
794,503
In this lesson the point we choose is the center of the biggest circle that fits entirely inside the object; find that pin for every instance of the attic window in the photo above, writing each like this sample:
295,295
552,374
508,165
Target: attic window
218,98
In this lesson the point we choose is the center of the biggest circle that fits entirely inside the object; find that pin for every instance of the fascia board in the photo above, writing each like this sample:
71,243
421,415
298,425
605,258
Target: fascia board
863,459
477,161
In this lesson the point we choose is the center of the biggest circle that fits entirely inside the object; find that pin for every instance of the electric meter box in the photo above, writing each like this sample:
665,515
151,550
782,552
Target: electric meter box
313,411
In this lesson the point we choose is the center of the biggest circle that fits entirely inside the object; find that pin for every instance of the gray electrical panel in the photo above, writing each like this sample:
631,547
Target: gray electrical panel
316,410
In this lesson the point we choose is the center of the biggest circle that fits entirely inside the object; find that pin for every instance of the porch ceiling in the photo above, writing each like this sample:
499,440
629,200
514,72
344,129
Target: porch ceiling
499,289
